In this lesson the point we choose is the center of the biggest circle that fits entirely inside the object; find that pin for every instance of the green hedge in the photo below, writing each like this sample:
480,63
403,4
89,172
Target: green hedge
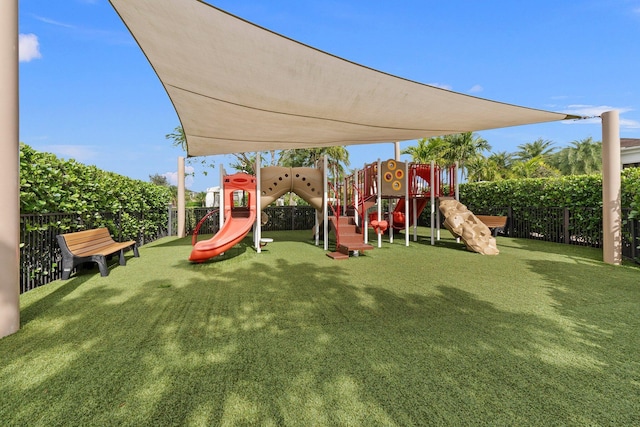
577,194
49,184
567,191
631,190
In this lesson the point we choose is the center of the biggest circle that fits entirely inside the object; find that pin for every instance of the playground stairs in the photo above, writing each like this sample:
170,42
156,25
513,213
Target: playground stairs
349,237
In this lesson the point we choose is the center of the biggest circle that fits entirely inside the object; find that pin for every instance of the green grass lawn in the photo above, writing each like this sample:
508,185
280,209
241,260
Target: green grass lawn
542,334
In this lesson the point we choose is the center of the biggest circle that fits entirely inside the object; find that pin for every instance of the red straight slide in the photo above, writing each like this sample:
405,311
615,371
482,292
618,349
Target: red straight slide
238,221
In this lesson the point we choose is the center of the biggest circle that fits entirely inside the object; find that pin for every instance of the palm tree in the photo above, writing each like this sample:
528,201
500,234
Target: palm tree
503,162
538,148
582,157
463,148
337,158
427,150
535,167
245,162
483,169
180,140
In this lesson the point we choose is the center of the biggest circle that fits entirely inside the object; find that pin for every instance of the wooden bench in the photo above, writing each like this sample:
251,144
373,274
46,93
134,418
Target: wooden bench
495,223
91,246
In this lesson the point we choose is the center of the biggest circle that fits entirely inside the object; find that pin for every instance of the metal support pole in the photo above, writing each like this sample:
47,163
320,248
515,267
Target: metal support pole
407,226
258,234
325,200
390,216
455,184
356,201
344,194
379,199
9,170
432,191
221,200
415,220
611,189
181,202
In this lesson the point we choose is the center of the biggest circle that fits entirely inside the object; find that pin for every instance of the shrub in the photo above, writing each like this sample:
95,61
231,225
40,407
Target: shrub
49,184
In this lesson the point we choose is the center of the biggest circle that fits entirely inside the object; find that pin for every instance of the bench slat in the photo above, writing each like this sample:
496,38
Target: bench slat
493,221
103,249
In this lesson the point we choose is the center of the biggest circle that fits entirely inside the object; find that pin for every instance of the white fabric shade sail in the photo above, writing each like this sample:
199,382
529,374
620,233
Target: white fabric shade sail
238,87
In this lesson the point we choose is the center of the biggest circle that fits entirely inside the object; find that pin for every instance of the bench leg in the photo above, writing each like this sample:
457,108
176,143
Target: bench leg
102,265
67,266
135,251
122,260
66,273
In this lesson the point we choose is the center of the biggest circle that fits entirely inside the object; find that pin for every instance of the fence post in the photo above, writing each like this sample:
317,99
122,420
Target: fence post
510,218
565,232
293,218
120,225
634,239
141,229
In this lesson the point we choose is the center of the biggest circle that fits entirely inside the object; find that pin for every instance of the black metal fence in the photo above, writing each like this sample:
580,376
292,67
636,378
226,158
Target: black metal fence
40,257
278,218
574,226
289,218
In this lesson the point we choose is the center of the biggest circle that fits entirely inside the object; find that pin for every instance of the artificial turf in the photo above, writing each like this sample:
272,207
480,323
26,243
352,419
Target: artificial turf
542,334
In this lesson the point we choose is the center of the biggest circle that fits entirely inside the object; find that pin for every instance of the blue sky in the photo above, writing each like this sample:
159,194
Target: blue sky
87,91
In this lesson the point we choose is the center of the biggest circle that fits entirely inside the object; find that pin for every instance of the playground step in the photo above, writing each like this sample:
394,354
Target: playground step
347,248
350,238
337,255
345,220
346,225
353,238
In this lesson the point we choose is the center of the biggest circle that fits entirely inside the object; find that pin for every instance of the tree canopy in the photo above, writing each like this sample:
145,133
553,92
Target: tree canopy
536,159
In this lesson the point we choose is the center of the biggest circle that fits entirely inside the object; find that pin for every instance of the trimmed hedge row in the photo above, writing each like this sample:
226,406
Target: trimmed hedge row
578,195
567,191
49,184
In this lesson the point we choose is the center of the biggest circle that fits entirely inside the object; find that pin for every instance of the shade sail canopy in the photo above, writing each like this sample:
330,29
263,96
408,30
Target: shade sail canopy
238,87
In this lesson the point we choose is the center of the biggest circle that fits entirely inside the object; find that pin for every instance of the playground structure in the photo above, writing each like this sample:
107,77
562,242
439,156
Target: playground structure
348,208
411,187
237,221
407,186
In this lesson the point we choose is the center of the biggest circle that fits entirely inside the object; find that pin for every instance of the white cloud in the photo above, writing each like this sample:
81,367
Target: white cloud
172,177
476,89
441,86
81,153
629,124
592,110
28,47
53,22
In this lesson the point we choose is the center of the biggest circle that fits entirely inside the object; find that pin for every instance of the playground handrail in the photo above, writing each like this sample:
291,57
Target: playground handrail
336,197
194,237
360,212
